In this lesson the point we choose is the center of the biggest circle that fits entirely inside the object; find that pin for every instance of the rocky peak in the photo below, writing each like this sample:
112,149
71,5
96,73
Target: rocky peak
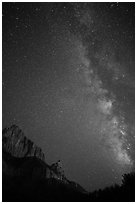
15,142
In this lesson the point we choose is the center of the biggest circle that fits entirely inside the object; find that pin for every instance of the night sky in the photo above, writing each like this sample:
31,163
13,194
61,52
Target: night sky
68,83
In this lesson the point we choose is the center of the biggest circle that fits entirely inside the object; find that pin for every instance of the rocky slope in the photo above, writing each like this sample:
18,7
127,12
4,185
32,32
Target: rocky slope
15,143
26,175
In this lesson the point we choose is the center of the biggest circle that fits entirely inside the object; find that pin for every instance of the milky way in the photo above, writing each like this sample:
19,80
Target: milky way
68,82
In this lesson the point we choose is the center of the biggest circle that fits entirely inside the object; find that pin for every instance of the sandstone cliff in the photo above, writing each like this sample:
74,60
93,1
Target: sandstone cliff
15,143
25,174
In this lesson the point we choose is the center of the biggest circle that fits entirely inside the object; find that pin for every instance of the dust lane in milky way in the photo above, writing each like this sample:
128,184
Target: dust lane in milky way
68,82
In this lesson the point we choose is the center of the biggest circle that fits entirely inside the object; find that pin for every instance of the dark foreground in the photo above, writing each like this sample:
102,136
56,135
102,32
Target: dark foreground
27,187
27,177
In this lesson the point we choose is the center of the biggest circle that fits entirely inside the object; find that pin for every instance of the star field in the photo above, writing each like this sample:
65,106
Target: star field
68,82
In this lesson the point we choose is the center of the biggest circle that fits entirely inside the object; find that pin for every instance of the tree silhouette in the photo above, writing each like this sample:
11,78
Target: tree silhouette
115,193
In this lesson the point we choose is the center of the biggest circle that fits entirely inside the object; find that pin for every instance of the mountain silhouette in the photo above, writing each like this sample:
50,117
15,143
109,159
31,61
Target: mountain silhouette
27,177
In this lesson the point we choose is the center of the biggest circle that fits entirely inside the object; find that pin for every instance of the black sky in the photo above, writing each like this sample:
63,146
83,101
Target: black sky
68,82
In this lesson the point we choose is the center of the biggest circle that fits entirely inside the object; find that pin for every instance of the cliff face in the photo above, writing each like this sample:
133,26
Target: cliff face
15,143
21,155
26,177
25,174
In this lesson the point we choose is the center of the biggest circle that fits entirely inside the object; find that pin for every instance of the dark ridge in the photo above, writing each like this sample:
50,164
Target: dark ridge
27,177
